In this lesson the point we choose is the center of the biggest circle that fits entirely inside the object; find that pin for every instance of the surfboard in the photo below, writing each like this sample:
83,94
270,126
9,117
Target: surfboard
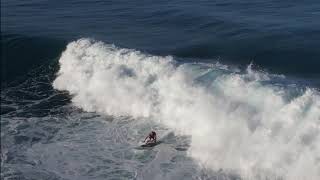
149,145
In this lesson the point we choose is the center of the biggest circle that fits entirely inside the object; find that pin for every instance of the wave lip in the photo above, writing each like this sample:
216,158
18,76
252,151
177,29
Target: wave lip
85,64
236,121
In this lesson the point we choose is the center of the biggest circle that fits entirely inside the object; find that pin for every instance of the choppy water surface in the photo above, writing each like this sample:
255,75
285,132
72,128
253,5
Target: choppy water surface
231,88
45,138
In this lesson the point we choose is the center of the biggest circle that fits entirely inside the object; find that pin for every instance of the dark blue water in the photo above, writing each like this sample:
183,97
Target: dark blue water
49,131
280,36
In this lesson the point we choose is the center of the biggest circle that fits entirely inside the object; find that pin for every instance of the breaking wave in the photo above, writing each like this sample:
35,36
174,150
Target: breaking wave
247,122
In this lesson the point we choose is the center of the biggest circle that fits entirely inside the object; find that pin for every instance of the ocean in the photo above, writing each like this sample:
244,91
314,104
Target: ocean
232,89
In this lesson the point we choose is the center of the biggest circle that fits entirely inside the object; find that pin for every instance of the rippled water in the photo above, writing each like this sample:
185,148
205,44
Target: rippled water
231,88
43,136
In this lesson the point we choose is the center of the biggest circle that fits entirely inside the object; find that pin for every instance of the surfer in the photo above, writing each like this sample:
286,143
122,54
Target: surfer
152,138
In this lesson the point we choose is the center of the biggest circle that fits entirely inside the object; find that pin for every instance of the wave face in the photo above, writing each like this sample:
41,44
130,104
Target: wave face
21,54
249,123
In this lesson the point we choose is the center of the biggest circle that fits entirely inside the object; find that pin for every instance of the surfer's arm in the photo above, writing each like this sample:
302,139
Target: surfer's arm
145,139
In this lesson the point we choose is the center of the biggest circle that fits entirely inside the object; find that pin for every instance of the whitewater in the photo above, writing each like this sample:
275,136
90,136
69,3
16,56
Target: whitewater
245,122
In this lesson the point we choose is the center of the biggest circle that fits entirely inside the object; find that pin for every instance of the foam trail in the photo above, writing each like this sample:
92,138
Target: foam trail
237,121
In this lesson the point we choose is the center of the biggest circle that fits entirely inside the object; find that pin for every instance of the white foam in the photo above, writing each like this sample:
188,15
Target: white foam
236,124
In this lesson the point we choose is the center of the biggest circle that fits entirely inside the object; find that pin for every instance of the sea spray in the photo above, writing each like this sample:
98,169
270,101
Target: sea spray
237,122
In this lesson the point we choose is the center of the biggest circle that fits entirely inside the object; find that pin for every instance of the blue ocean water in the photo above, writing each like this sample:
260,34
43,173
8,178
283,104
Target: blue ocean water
82,82
282,37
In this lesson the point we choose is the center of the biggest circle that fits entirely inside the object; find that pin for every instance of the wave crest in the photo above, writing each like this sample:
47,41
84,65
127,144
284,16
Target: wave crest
236,121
